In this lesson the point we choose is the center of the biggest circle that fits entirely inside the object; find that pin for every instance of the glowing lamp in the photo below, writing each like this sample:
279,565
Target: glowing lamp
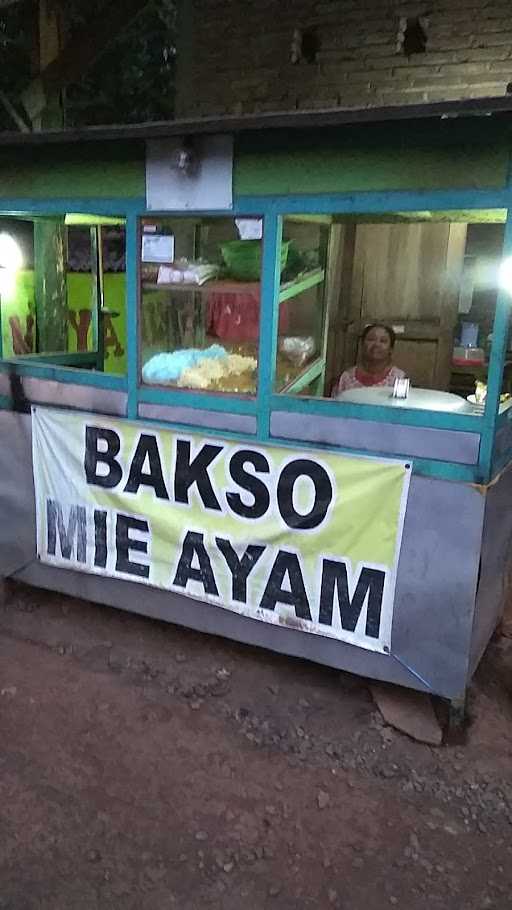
11,261
506,274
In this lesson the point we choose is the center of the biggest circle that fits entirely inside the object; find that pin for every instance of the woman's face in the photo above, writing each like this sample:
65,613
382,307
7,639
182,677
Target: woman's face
377,346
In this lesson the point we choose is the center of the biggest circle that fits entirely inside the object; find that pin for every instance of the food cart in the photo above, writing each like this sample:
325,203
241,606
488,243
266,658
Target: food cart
170,443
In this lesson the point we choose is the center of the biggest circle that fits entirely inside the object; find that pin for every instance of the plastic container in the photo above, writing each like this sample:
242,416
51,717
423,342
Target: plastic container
469,334
298,349
465,357
243,258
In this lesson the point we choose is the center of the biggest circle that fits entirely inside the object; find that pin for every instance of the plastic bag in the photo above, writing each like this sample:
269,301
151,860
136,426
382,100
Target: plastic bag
298,349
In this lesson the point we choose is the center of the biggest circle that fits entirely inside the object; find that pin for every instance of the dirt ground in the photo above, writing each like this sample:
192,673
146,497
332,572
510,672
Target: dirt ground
147,767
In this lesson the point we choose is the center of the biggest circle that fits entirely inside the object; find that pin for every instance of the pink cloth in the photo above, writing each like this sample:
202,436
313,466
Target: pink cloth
349,380
236,316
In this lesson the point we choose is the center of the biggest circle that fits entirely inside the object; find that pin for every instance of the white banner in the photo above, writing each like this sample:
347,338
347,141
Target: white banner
305,540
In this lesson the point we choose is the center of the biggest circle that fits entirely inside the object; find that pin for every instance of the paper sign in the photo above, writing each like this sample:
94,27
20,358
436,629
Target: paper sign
157,248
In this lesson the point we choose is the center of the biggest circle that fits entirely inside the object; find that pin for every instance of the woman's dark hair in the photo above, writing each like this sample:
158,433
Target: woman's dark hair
380,325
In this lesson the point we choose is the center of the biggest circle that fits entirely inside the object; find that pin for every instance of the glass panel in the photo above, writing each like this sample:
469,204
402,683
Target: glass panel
200,303
302,298
400,296
63,290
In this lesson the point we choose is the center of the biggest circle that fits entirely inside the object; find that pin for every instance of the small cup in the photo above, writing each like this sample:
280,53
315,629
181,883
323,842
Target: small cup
401,388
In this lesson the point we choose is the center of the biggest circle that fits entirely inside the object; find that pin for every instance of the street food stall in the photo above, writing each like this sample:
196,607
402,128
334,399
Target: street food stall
255,379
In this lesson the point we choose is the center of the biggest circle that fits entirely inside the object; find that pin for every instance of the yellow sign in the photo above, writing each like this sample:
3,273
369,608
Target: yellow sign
308,540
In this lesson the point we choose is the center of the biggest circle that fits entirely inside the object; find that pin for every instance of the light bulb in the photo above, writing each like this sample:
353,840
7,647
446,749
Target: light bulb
10,253
506,274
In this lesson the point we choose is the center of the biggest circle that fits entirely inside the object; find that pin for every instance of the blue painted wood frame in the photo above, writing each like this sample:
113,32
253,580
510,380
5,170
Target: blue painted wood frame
132,309
405,416
503,419
272,208
326,203
220,403
496,363
374,203
64,374
269,318
444,470
371,202
122,207
78,205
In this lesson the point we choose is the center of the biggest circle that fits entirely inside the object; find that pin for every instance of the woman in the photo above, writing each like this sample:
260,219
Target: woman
376,368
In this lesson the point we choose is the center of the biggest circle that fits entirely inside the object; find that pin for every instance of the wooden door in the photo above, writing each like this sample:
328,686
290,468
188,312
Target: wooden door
407,276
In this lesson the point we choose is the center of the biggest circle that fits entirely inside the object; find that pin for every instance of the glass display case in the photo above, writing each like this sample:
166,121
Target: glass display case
302,332
428,281
63,290
200,304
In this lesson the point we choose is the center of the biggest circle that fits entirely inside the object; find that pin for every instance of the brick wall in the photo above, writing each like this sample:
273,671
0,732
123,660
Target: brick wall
236,54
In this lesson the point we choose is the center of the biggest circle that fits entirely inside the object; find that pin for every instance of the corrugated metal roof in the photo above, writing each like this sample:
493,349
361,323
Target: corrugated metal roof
281,120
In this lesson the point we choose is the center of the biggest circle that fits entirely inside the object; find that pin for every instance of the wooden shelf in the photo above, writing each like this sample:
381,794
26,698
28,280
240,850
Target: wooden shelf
310,372
303,283
226,286
464,376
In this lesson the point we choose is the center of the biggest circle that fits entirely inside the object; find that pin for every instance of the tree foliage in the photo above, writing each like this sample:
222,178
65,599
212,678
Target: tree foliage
16,42
132,81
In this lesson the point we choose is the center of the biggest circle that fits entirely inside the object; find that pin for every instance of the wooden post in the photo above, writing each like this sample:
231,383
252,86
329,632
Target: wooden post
50,285
98,302
50,233
340,279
